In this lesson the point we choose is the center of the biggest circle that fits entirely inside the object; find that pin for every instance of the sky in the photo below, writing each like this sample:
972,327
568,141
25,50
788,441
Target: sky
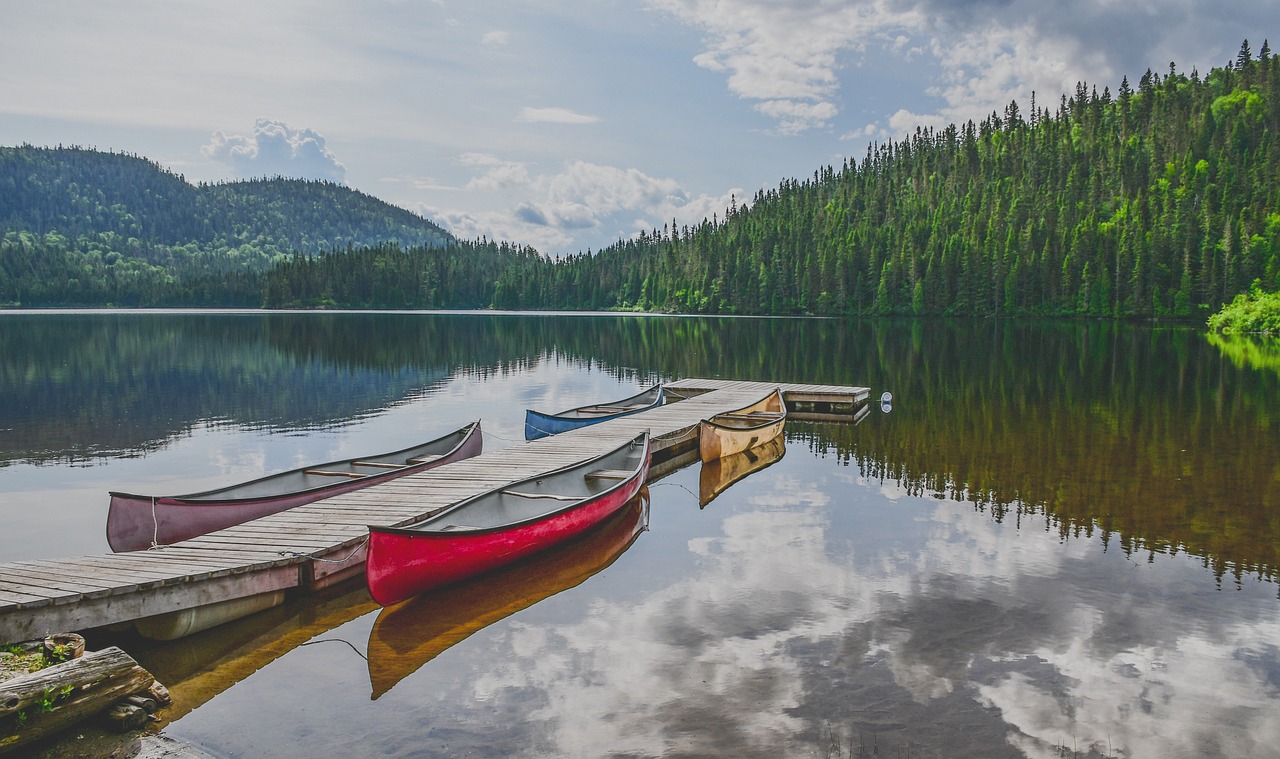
565,125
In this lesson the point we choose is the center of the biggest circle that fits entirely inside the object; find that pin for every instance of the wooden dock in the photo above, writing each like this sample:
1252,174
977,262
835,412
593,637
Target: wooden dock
181,588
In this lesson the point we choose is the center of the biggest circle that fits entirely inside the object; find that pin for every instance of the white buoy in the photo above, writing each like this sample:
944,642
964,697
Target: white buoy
886,397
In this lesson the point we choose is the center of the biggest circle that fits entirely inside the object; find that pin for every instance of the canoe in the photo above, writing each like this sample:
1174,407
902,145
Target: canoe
503,525
408,635
733,431
540,425
719,475
134,522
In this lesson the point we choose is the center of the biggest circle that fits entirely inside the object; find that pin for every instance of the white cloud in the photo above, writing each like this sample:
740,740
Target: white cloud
983,70
274,148
497,174
554,116
786,55
549,210
495,38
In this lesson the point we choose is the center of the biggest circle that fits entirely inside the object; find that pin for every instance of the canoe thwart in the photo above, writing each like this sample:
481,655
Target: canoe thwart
379,464
325,473
423,459
608,474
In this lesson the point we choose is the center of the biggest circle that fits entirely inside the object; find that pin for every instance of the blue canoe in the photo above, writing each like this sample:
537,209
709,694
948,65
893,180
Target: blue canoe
538,424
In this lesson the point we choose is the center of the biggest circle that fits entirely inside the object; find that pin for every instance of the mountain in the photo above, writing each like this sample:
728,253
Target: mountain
84,227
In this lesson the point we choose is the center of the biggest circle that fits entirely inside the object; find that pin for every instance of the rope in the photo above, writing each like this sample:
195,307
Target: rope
696,497
336,640
155,528
343,560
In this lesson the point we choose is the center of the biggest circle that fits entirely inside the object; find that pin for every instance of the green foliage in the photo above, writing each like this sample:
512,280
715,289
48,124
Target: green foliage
1252,312
81,227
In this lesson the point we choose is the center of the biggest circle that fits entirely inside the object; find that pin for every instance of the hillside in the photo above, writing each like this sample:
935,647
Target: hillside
1158,201
83,227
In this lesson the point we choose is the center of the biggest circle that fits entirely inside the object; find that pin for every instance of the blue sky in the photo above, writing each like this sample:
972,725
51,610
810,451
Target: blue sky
564,125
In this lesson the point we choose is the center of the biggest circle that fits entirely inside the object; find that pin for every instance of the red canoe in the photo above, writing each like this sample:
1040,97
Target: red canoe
503,525
135,521
408,635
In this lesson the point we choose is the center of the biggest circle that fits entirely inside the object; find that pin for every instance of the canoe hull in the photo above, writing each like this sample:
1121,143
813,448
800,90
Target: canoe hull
539,425
135,521
722,436
403,563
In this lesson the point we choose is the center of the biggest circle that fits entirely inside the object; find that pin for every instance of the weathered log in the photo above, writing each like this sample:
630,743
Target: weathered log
41,703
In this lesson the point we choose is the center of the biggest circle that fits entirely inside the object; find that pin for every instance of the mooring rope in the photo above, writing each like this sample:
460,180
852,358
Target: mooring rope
155,528
343,560
336,640
676,485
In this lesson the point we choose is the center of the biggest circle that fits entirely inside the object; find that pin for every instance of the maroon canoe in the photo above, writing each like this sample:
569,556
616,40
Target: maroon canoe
135,522
503,525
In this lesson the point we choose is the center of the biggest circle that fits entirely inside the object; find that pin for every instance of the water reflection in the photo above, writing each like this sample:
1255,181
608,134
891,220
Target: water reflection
1063,535
718,475
1260,352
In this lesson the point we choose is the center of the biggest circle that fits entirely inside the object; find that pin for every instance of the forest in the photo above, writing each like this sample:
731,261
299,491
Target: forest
81,227
1160,200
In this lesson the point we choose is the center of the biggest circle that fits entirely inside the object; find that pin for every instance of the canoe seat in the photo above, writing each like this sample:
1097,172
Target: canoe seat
609,474
422,459
324,473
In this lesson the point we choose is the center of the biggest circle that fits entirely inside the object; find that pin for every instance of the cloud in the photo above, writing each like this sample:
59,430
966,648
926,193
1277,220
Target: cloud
495,38
497,173
549,210
981,54
787,55
554,116
276,149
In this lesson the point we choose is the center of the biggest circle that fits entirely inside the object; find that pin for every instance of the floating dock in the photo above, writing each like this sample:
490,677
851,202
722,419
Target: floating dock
185,587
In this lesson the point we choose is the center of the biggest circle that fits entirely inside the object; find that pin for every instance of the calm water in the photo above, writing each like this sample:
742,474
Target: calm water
1062,537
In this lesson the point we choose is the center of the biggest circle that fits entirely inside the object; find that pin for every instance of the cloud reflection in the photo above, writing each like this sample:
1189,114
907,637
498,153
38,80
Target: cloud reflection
975,638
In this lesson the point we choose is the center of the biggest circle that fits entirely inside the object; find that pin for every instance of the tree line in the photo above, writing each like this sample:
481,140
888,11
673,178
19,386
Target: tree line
1156,201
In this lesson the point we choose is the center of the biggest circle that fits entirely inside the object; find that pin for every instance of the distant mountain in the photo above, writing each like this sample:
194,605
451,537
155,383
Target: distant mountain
85,227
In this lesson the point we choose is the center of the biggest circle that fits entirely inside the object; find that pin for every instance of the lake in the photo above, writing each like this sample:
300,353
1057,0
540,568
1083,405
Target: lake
1062,538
